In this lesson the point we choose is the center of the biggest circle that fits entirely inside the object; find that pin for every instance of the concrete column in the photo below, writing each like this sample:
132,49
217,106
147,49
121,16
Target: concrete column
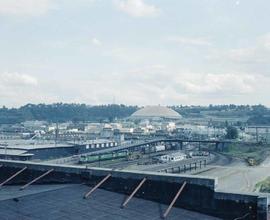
226,146
217,146
257,135
262,208
181,145
99,158
223,146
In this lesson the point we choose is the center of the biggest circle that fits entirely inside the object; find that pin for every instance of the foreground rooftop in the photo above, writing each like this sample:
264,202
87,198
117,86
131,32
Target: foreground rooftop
66,202
50,191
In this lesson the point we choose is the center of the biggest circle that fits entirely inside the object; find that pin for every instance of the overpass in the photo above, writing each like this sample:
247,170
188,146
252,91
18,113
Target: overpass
219,145
137,146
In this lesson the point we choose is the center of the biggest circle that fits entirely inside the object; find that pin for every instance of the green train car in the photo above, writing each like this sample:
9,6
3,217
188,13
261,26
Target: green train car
101,157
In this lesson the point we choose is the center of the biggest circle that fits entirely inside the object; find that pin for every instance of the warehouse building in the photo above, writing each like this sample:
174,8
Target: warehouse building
29,150
173,157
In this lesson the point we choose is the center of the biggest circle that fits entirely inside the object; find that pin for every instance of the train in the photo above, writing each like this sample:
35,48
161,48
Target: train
102,157
199,153
121,154
251,161
153,149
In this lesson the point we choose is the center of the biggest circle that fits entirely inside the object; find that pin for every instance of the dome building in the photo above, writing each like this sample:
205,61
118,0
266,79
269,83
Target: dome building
156,112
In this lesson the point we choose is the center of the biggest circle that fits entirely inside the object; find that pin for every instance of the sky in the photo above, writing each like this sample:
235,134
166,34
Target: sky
135,52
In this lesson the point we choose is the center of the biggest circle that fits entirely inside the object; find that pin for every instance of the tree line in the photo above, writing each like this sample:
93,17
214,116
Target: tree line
61,112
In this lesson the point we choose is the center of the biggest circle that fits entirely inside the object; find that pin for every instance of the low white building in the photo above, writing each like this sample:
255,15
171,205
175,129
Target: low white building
174,157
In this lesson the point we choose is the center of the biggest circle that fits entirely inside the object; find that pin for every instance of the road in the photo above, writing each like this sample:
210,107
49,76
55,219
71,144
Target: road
234,175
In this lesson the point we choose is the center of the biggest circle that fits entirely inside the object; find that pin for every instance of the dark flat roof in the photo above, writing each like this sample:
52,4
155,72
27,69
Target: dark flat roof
56,202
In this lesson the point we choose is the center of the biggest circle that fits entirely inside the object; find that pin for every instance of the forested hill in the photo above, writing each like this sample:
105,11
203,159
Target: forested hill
64,112
60,112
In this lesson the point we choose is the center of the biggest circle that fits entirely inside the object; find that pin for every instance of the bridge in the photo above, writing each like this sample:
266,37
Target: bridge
219,144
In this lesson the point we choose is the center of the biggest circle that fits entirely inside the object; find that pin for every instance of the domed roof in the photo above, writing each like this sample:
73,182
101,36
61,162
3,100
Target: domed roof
156,112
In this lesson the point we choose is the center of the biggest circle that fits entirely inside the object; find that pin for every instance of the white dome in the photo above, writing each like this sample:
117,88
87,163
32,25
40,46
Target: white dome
156,112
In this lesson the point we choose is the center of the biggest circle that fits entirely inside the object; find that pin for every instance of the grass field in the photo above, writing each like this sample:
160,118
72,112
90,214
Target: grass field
263,186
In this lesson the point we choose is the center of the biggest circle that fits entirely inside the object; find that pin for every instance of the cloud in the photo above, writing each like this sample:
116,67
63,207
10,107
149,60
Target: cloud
96,42
190,41
25,7
264,41
217,84
16,79
190,83
156,84
18,89
148,85
256,54
137,8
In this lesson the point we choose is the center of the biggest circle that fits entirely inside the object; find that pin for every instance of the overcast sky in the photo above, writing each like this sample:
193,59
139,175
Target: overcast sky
141,52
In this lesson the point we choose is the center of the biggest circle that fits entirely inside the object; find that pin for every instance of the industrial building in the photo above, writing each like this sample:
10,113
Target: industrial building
173,157
30,150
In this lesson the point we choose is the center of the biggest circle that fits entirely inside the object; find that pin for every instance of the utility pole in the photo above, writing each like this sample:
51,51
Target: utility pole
56,134
6,151
266,138
257,136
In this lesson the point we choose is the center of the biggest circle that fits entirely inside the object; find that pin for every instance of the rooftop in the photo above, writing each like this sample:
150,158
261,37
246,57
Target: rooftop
66,202
30,144
57,192
21,144
12,152
156,112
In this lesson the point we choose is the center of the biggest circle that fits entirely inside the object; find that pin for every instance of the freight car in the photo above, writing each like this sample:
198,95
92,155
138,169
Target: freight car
101,157
153,149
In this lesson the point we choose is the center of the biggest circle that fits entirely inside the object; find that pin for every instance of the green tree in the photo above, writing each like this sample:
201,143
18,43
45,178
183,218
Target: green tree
61,112
231,132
